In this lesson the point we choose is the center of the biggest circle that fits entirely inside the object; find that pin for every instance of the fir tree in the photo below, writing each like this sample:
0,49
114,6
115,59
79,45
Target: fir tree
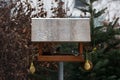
106,56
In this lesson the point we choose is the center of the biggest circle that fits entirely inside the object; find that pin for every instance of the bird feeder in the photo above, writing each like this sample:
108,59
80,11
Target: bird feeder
54,30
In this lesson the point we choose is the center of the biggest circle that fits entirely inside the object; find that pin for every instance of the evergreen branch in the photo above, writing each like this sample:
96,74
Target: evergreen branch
115,22
109,27
91,1
110,46
84,2
101,37
101,64
98,28
99,13
83,10
117,31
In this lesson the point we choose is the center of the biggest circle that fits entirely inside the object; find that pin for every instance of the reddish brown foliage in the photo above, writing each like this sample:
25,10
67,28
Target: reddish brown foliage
17,50
16,47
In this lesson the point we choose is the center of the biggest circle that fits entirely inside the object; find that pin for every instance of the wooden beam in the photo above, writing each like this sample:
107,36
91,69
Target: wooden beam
80,48
40,48
65,58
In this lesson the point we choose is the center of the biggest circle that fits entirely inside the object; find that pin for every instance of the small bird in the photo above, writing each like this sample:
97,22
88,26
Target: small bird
75,53
32,68
94,49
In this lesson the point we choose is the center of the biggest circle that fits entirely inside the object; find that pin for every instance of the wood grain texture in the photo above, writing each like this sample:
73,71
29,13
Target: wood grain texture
60,30
61,58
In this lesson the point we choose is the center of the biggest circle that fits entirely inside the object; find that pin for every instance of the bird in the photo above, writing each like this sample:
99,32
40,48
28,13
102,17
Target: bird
75,53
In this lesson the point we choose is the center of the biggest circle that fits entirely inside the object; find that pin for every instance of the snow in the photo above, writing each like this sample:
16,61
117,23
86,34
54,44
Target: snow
113,8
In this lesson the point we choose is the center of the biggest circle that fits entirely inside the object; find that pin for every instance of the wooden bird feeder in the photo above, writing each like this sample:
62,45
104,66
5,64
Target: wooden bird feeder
54,30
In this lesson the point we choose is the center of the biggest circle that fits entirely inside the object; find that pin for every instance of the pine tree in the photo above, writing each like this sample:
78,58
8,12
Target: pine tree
106,57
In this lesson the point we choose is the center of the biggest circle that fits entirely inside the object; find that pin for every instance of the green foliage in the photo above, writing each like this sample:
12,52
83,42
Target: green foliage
84,2
68,47
106,58
16,49
92,1
99,13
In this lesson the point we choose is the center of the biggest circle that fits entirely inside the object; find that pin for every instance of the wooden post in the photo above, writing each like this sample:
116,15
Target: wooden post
80,48
40,48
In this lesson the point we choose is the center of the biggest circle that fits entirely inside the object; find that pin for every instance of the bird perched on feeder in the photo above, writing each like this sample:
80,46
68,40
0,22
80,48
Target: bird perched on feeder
75,53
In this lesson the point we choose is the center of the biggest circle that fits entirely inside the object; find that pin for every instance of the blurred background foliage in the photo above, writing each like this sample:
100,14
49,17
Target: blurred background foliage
17,50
